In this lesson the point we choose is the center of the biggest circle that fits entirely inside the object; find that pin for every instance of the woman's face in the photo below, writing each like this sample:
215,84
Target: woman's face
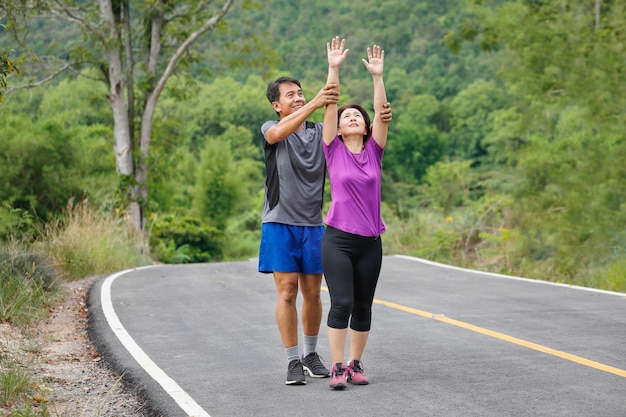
351,122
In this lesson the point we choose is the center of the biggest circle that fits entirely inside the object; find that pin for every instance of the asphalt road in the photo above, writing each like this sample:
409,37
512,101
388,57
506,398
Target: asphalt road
201,340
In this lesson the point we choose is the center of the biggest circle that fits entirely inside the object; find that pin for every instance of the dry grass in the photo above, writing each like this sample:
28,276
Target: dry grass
88,242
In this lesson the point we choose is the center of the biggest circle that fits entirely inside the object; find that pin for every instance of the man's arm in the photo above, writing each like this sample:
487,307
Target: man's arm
289,124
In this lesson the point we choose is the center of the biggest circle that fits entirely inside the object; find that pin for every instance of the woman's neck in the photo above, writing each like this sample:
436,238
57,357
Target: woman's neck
354,144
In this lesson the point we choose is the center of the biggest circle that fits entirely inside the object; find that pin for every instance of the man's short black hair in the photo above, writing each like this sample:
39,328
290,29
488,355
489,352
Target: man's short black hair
273,89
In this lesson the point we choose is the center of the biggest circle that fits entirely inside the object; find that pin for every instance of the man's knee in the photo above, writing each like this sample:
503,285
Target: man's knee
310,285
287,287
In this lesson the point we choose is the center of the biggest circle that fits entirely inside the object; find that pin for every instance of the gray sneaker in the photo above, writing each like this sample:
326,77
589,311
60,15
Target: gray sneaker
295,373
313,366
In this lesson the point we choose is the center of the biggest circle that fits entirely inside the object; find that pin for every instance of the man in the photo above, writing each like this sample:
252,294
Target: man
293,226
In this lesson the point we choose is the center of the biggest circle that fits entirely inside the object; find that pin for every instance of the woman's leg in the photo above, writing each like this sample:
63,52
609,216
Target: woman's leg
367,271
357,344
338,273
337,344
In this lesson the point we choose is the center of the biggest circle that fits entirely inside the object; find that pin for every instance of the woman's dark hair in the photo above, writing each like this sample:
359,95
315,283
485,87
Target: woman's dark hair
366,119
273,89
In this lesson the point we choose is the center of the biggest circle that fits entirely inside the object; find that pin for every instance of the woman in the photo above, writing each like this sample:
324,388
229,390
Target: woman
351,246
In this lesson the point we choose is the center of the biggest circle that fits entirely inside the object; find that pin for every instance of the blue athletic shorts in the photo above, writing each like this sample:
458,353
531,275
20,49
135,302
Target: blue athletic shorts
286,248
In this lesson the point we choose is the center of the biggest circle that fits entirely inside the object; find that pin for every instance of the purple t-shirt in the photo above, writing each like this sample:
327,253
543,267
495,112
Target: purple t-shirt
355,188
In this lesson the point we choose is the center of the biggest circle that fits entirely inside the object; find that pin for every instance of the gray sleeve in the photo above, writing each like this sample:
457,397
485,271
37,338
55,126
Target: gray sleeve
266,126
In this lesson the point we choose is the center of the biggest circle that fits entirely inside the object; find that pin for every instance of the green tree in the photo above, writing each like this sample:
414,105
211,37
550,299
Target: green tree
55,148
471,113
417,142
570,196
448,184
183,127
558,53
505,138
84,116
137,46
217,188
565,144
42,179
6,68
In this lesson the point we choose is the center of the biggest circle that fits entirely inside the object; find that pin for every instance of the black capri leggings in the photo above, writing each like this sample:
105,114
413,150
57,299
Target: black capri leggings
351,265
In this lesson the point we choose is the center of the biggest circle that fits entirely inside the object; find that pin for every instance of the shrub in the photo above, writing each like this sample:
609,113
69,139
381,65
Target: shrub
27,281
185,240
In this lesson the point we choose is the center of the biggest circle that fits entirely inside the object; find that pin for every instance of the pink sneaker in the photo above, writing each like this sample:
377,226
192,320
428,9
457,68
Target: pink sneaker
355,373
338,377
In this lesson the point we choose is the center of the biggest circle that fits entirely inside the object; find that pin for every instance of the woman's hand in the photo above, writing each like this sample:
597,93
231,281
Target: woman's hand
375,61
336,52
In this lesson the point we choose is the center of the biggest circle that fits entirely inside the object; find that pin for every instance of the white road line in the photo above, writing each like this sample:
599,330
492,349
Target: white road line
189,406
491,274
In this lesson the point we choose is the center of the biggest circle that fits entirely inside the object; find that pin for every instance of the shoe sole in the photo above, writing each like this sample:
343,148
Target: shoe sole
339,387
359,383
312,375
350,380
295,382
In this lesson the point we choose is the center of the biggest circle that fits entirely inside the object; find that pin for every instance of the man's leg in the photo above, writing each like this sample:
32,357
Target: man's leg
310,285
286,312
311,319
287,321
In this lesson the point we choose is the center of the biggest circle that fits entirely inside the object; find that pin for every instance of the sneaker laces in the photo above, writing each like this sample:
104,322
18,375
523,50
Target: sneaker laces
356,366
339,371
315,361
293,365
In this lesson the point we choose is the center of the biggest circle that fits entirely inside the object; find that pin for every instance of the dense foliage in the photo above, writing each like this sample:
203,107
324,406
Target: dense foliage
505,153
6,68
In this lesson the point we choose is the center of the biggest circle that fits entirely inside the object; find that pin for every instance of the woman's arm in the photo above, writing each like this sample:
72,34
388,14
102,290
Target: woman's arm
375,64
336,56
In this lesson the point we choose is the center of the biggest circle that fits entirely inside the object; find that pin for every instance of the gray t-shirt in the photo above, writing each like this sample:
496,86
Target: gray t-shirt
295,168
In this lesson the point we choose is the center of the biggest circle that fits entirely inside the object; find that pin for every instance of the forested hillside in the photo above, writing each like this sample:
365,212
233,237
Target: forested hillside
506,150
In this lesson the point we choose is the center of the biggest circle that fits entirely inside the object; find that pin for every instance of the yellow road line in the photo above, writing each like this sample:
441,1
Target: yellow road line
502,336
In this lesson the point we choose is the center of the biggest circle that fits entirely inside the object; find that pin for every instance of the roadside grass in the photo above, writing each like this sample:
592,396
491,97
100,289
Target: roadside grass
29,284
14,381
482,241
86,242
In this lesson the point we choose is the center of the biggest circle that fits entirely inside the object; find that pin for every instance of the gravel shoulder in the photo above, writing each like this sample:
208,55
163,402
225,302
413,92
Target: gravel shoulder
72,379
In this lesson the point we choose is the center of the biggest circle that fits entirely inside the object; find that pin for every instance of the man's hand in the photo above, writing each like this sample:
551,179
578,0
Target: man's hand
386,114
329,94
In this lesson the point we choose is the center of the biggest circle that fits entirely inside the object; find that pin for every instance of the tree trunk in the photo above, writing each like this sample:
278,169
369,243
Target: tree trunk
123,113
121,127
157,86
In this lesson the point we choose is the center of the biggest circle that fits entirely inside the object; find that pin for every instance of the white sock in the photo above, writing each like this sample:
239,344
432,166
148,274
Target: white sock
292,353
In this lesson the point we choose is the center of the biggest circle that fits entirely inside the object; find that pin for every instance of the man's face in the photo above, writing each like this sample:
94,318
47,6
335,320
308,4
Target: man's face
291,99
